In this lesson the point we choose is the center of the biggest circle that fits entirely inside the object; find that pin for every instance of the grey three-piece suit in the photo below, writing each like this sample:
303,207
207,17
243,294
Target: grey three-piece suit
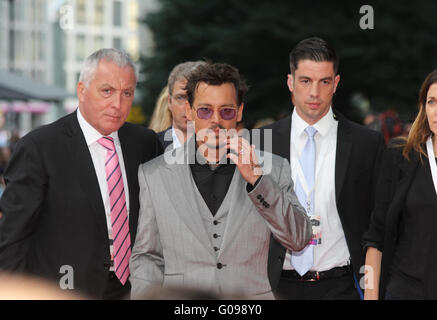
180,243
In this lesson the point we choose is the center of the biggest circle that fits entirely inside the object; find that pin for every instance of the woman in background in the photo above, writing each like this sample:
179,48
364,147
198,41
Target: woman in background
401,256
161,117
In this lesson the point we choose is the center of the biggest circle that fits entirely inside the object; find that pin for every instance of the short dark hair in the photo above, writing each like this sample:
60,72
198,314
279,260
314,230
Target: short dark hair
315,49
216,74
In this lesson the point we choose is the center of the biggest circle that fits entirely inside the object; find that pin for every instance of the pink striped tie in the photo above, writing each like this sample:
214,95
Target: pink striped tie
119,219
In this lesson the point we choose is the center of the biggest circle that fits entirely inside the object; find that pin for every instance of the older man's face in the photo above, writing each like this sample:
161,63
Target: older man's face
106,102
177,105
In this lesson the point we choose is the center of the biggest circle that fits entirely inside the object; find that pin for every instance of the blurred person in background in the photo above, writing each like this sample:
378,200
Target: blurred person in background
176,134
401,252
161,117
263,122
71,198
391,124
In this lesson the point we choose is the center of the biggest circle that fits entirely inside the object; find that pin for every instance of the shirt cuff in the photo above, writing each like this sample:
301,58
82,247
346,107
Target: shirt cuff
249,187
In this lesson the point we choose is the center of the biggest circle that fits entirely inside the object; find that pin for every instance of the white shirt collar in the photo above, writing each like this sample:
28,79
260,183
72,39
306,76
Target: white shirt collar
322,126
176,142
90,133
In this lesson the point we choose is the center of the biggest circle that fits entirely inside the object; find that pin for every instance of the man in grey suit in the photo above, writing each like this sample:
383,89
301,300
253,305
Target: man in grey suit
204,225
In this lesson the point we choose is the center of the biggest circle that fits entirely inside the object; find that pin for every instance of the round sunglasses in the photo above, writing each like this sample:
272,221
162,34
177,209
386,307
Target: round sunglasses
226,113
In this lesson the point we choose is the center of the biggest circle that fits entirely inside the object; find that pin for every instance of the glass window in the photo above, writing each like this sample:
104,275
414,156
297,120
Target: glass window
18,45
17,10
98,43
80,48
132,19
118,43
41,52
80,11
99,13
117,13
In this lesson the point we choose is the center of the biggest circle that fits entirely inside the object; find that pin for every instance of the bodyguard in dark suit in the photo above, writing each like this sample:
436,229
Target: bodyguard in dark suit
347,158
59,217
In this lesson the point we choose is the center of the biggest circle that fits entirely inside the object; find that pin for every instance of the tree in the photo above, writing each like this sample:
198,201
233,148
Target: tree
386,64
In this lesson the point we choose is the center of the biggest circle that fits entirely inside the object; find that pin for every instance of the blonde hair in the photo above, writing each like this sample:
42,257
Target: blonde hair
420,129
161,117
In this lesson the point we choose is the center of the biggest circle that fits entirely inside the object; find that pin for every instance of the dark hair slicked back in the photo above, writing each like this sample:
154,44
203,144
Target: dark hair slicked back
314,49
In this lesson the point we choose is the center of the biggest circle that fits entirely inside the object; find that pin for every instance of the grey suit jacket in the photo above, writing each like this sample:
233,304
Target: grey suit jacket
174,243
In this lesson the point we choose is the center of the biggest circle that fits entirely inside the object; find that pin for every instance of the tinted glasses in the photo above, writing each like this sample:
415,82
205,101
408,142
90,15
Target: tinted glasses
226,113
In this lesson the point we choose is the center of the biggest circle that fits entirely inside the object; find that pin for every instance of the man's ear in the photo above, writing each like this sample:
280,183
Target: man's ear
240,113
336,81
80,90
290,82
188,111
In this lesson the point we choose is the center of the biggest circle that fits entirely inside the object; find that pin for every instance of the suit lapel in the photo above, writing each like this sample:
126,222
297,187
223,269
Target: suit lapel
343,152
131,167
281,136
83,167
179,182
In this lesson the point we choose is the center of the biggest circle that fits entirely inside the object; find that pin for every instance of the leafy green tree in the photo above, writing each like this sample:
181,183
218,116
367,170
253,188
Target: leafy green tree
386,64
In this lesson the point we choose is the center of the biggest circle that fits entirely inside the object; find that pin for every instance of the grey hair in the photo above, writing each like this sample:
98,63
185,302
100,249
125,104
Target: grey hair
118,57
181,72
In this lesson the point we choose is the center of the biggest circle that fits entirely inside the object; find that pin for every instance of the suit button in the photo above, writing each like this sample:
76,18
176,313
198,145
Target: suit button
259,197
215,222
219,265
216,249
215,235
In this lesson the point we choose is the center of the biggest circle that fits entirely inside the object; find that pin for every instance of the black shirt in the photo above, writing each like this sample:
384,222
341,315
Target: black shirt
417,238
213,184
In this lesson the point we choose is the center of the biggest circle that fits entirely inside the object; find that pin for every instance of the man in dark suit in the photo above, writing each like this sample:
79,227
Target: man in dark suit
177,134
338,195
70,207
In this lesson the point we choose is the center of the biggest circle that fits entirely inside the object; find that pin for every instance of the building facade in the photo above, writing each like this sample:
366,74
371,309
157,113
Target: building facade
48,40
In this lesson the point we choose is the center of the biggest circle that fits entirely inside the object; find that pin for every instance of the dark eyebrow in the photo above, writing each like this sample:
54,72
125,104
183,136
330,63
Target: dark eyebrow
205,105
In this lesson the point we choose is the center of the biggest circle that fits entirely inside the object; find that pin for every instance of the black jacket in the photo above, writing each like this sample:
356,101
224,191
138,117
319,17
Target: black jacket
358,158
397,175
53,213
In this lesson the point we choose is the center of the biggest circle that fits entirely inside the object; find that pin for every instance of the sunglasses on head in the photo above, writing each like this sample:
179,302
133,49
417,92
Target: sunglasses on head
226,113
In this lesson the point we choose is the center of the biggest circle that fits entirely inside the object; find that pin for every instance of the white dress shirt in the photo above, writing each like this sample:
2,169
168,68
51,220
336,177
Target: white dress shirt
176,142
98,155
333,250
